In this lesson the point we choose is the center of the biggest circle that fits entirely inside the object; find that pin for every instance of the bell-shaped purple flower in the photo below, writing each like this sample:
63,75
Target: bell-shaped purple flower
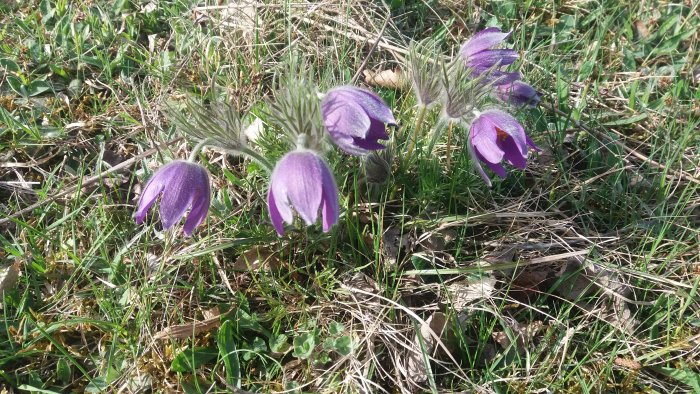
495,135
518,94
356,119
303,181
479,55
183,186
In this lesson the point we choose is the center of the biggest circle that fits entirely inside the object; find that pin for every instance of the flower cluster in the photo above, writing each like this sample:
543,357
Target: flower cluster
355,120
470,83
483,60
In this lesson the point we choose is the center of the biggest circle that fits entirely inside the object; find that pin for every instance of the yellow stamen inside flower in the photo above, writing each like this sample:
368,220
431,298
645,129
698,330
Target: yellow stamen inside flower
502,135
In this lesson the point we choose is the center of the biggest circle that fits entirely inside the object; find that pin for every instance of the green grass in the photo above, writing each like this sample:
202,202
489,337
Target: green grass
102,304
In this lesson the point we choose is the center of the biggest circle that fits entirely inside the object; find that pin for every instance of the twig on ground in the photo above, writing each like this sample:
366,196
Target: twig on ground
89,181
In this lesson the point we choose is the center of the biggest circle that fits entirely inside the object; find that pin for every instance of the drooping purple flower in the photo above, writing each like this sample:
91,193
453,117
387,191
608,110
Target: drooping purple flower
183,185
356,119
303,181
495,135
479,55
518,94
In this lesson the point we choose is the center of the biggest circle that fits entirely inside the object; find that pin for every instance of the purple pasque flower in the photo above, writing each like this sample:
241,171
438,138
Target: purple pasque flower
183,185
356,119
303,181
482,59
495,135
518,94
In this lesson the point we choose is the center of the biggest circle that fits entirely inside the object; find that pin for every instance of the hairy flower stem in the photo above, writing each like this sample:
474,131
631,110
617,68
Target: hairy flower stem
258,158
247,152
449,146
197,148
414,137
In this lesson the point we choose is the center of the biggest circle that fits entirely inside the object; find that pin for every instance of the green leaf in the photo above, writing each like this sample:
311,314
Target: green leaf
329,344
75,87
93,61
304,345
629,120
258,346
323,358
248,322
58,70
9,65
46,10
190,359
63,371
684,375
16,85
36,51
227,350
336,328
33,389
343,345
98,385
586,69
36,88
280,344
120,6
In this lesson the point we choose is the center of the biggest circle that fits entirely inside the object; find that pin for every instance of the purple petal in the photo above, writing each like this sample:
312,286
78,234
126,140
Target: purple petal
492,57
498,169
366,145
331,206
350,145
372,104
477,164
482,40
344,118
484,139
509,125
495,167
531,143
200,208
296,180
302,180
512,153
499,77
275,215
173,204
158,182
184,183
377,131
150,193
518,93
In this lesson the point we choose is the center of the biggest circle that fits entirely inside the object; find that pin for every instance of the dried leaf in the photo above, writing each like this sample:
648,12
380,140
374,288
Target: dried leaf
182,331
628,363
393,243
640,30
500,256
436,241
424,346
386,78
575,284
256,259
461,294
211,313
9,276
522,333
360,280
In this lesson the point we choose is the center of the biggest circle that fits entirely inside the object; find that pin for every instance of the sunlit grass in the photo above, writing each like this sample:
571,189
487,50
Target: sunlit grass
593,250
